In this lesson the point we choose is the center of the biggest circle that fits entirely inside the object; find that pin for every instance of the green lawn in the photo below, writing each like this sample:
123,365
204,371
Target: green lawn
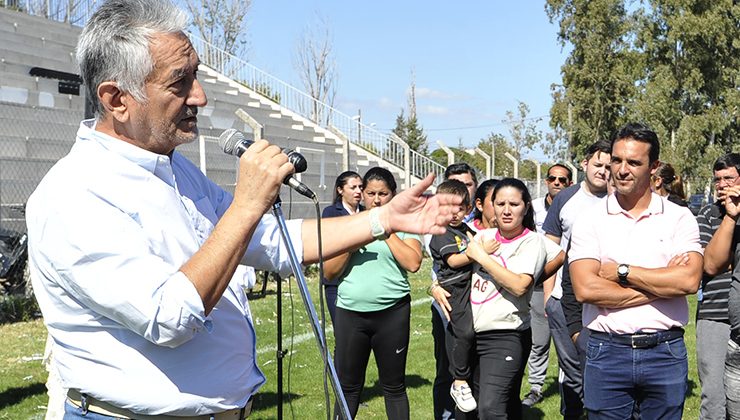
22,391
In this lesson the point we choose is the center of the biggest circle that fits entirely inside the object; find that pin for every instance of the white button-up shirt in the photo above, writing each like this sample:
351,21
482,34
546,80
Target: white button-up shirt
109,228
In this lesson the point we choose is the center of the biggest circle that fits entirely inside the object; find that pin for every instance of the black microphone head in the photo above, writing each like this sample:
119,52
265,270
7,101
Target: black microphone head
298,161
229,139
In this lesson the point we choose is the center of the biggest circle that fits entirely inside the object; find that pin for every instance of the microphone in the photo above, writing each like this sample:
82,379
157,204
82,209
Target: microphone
232,142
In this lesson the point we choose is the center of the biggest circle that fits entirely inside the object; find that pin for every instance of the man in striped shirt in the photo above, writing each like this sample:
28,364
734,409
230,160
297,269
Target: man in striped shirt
712,319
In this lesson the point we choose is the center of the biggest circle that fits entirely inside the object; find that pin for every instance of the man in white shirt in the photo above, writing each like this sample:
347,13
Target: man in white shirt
134,253
565,210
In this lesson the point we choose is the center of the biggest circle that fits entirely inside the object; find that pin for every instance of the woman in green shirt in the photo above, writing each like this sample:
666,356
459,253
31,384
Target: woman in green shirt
374,306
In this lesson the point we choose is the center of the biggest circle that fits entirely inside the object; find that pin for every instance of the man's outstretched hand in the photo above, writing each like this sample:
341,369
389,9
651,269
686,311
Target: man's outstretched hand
413,211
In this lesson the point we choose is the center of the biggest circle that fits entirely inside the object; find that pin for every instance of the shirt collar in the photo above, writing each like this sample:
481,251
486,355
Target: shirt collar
656,206
157,164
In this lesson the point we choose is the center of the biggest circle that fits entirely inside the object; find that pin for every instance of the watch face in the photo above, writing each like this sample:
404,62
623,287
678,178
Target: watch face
623,270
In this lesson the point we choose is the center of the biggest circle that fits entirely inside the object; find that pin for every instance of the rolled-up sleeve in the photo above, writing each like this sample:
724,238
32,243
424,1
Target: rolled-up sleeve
266,250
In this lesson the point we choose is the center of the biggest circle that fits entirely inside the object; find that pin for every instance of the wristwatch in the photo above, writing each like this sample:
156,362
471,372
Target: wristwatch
623,270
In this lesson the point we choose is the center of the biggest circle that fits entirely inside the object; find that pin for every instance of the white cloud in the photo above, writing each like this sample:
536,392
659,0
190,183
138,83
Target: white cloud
434,110
428,93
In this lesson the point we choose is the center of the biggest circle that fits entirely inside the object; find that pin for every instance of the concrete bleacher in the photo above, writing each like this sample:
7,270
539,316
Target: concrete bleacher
38,124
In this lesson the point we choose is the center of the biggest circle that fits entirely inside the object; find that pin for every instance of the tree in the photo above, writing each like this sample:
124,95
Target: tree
523,130
673,64
222,23
599,73
409,129
317,68
689,88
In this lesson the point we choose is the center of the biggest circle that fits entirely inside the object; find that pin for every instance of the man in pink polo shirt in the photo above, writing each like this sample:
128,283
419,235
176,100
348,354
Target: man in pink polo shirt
633,259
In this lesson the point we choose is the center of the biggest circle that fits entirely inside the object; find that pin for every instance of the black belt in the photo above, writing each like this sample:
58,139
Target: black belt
640,340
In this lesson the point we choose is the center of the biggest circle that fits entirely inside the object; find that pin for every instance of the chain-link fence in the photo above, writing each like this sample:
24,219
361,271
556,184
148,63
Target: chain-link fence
32,139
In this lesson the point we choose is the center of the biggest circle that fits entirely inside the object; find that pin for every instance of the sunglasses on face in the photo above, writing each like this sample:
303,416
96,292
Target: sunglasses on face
561,179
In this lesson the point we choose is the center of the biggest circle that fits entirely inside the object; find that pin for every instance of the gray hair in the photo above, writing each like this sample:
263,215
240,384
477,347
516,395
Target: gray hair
114,46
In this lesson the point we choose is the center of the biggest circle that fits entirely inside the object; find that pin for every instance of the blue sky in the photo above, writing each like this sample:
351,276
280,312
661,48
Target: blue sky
472,60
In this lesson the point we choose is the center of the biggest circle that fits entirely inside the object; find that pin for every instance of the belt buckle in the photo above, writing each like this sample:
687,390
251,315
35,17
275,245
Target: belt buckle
641,341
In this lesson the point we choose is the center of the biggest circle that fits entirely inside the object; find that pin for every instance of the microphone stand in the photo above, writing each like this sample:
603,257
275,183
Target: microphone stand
341,402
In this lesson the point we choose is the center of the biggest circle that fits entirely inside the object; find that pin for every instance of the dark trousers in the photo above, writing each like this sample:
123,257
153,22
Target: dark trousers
330,292
570,382
502,356
444,406
461,334
384,332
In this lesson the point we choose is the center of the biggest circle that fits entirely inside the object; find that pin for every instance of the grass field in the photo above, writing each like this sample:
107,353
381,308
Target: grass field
22,377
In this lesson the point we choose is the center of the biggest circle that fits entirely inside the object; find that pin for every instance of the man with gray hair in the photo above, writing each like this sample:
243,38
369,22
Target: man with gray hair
135,255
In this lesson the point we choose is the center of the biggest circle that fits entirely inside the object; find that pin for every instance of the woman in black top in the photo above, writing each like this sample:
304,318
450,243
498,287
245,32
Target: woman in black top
347,198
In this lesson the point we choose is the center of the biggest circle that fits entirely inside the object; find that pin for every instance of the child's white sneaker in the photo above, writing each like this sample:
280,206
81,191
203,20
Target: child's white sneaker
463,397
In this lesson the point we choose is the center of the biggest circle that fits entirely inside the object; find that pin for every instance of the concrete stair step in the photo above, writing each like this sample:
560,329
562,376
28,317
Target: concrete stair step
62,62
41,114
24,169
32,98
49,130
22,23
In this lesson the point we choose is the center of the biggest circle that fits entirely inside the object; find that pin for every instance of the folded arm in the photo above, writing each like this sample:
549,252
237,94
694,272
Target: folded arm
680,278
591,288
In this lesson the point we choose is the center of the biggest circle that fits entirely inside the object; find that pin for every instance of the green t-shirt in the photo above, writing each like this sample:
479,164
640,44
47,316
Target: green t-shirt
373,280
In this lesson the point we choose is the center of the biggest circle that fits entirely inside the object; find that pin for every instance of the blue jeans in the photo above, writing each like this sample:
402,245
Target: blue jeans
732,380
72,412
617,377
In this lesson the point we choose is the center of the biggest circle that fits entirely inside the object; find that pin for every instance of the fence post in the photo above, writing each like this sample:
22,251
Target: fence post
488,161
407,163
202,153
539,176
516,163
257,129
450,153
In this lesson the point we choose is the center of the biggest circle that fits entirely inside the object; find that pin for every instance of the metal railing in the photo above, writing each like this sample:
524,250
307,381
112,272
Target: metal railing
77,12
294,99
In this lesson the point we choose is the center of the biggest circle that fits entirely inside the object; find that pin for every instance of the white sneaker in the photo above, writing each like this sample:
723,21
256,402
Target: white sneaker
463,398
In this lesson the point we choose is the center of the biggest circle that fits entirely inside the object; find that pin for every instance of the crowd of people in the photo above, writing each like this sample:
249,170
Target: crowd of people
137,261
602,267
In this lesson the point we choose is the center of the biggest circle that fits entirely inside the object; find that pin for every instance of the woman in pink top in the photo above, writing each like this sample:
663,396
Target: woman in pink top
501,287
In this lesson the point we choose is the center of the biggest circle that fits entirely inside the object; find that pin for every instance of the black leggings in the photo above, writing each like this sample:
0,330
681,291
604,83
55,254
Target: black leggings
501,356
384,332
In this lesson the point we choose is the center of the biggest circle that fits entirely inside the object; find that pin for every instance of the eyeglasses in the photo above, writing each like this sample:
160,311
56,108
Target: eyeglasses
561,179
729,180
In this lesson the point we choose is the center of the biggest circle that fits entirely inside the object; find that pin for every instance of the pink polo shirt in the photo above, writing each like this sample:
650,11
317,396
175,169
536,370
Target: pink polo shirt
607,233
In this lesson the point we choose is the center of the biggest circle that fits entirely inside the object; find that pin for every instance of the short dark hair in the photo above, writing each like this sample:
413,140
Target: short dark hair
641,133
730,160
481,193
342,180
560,165
603,146
380,174
461,168
526,197
453,186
